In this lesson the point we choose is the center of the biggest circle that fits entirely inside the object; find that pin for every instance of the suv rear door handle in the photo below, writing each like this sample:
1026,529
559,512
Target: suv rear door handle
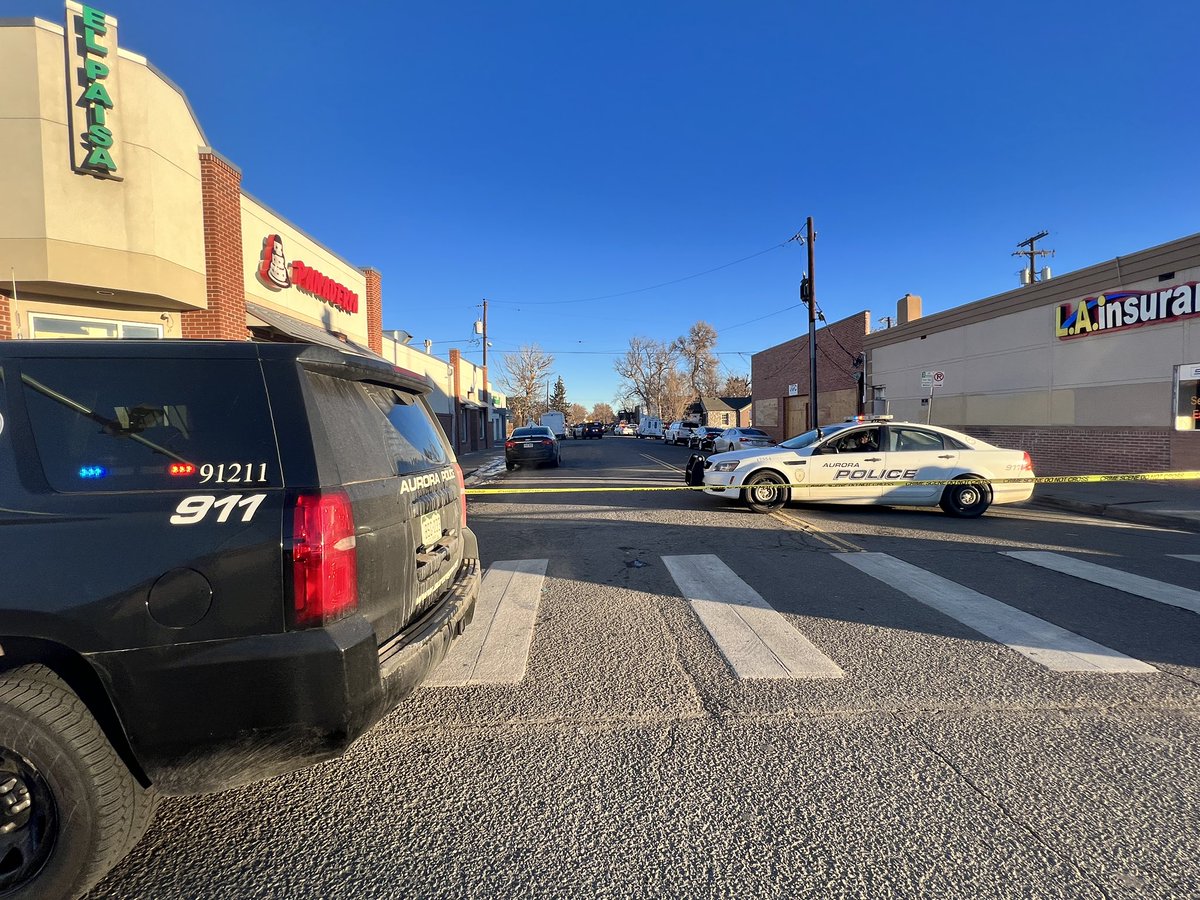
873,459
946,456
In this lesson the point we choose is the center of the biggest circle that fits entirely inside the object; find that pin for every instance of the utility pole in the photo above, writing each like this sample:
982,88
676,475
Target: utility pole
812,329
1032,253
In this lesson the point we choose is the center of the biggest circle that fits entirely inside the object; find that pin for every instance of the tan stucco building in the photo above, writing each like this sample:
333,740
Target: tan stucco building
120,220
1097,370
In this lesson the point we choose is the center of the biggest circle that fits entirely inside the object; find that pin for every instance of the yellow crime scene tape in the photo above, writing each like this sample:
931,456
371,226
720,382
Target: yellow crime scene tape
1041,479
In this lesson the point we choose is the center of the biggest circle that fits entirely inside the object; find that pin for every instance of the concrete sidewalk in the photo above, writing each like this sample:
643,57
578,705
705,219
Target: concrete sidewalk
1171,504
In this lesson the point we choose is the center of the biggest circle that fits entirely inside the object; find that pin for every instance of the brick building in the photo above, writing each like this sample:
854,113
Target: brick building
779,378
1094,371
121,221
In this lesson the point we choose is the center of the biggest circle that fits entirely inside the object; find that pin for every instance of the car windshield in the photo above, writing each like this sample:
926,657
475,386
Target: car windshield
753,432
531,432
811,437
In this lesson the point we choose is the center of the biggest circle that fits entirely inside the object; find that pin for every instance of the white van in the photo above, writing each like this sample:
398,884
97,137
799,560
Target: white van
556,422
650,427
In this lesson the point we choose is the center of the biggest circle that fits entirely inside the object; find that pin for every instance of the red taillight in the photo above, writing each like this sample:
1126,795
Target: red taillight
324,558
508,445
547,442
1028,466
462,494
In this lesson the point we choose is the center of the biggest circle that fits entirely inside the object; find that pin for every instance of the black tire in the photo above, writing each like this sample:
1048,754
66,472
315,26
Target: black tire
966,501
86,809
556,462
760,494
510,466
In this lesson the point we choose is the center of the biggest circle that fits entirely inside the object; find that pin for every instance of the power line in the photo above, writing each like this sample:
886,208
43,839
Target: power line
760,318
650,287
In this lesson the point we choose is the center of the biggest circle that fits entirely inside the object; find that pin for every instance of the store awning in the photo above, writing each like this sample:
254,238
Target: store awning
260,317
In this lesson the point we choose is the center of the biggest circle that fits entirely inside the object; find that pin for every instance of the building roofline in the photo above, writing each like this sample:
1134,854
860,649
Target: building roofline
1182,253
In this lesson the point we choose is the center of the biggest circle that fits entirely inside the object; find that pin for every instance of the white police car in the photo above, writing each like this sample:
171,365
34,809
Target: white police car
869,460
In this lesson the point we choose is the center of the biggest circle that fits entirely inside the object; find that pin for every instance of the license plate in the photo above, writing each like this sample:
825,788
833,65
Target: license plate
431,528
528,443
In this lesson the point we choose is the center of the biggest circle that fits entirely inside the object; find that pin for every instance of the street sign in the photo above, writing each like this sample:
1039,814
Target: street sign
932,379
793,390
939,379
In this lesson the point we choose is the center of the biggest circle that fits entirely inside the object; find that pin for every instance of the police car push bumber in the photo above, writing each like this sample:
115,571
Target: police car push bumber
870,460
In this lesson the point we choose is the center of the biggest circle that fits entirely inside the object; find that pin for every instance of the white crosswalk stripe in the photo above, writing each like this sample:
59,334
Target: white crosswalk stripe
1193,557
1160,591
1043,642
755,640
494,649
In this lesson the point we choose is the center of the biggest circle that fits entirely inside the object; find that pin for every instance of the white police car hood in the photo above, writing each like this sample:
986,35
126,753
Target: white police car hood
758,453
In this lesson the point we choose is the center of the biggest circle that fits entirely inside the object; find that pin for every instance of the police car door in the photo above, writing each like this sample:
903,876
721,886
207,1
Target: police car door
849,466
916,454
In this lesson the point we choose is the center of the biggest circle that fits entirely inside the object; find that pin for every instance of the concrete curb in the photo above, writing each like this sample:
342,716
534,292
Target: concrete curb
1119,511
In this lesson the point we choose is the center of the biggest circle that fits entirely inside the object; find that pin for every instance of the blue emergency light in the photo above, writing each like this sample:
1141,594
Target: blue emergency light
93,472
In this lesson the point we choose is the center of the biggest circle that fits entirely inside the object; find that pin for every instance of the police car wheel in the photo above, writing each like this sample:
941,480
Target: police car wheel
764,492
966,501
69,807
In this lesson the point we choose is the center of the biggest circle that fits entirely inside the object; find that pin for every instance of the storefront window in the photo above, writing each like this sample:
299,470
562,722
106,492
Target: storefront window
74,328
1187,397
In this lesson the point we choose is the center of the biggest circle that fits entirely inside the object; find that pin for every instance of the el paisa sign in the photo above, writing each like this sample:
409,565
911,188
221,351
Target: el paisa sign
91,39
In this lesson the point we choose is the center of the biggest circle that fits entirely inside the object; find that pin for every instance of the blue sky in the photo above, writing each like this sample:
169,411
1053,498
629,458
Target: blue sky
539,152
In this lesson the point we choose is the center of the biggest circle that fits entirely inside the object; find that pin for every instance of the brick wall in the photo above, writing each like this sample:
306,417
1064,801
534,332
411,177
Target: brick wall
6,329
772,370
221,192
1078,450
374,310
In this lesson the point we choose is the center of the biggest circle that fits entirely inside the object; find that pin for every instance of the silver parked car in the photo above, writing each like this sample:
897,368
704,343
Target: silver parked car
741,439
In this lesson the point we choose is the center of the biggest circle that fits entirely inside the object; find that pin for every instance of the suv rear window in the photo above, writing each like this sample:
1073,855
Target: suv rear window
121,424
376,432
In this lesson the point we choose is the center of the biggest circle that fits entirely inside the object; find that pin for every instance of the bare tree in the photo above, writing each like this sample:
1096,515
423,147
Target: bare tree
644,370
735,386
522,377
577,413
602,412
695,350
676,395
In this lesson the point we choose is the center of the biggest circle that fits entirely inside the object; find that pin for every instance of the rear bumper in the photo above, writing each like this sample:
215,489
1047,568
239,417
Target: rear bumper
529,456
211,716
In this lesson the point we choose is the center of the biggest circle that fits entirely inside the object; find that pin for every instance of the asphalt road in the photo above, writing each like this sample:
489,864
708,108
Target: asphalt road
627,758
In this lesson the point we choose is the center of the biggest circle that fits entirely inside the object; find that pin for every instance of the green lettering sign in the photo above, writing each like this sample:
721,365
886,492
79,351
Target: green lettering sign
100,136
95,70
94,19
89,41
99,158
97,93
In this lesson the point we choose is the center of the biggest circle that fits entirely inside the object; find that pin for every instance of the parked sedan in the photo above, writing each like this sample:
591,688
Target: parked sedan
741,439
534,444
871,461
702,438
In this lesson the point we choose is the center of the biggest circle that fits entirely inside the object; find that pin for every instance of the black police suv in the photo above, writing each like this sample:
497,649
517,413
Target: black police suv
221,561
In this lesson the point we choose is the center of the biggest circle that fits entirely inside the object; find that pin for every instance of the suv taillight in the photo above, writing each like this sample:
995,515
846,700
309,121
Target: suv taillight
324,558
462,494
1028,466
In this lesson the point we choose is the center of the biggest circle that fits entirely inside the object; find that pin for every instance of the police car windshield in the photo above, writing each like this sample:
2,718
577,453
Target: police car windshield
811,437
